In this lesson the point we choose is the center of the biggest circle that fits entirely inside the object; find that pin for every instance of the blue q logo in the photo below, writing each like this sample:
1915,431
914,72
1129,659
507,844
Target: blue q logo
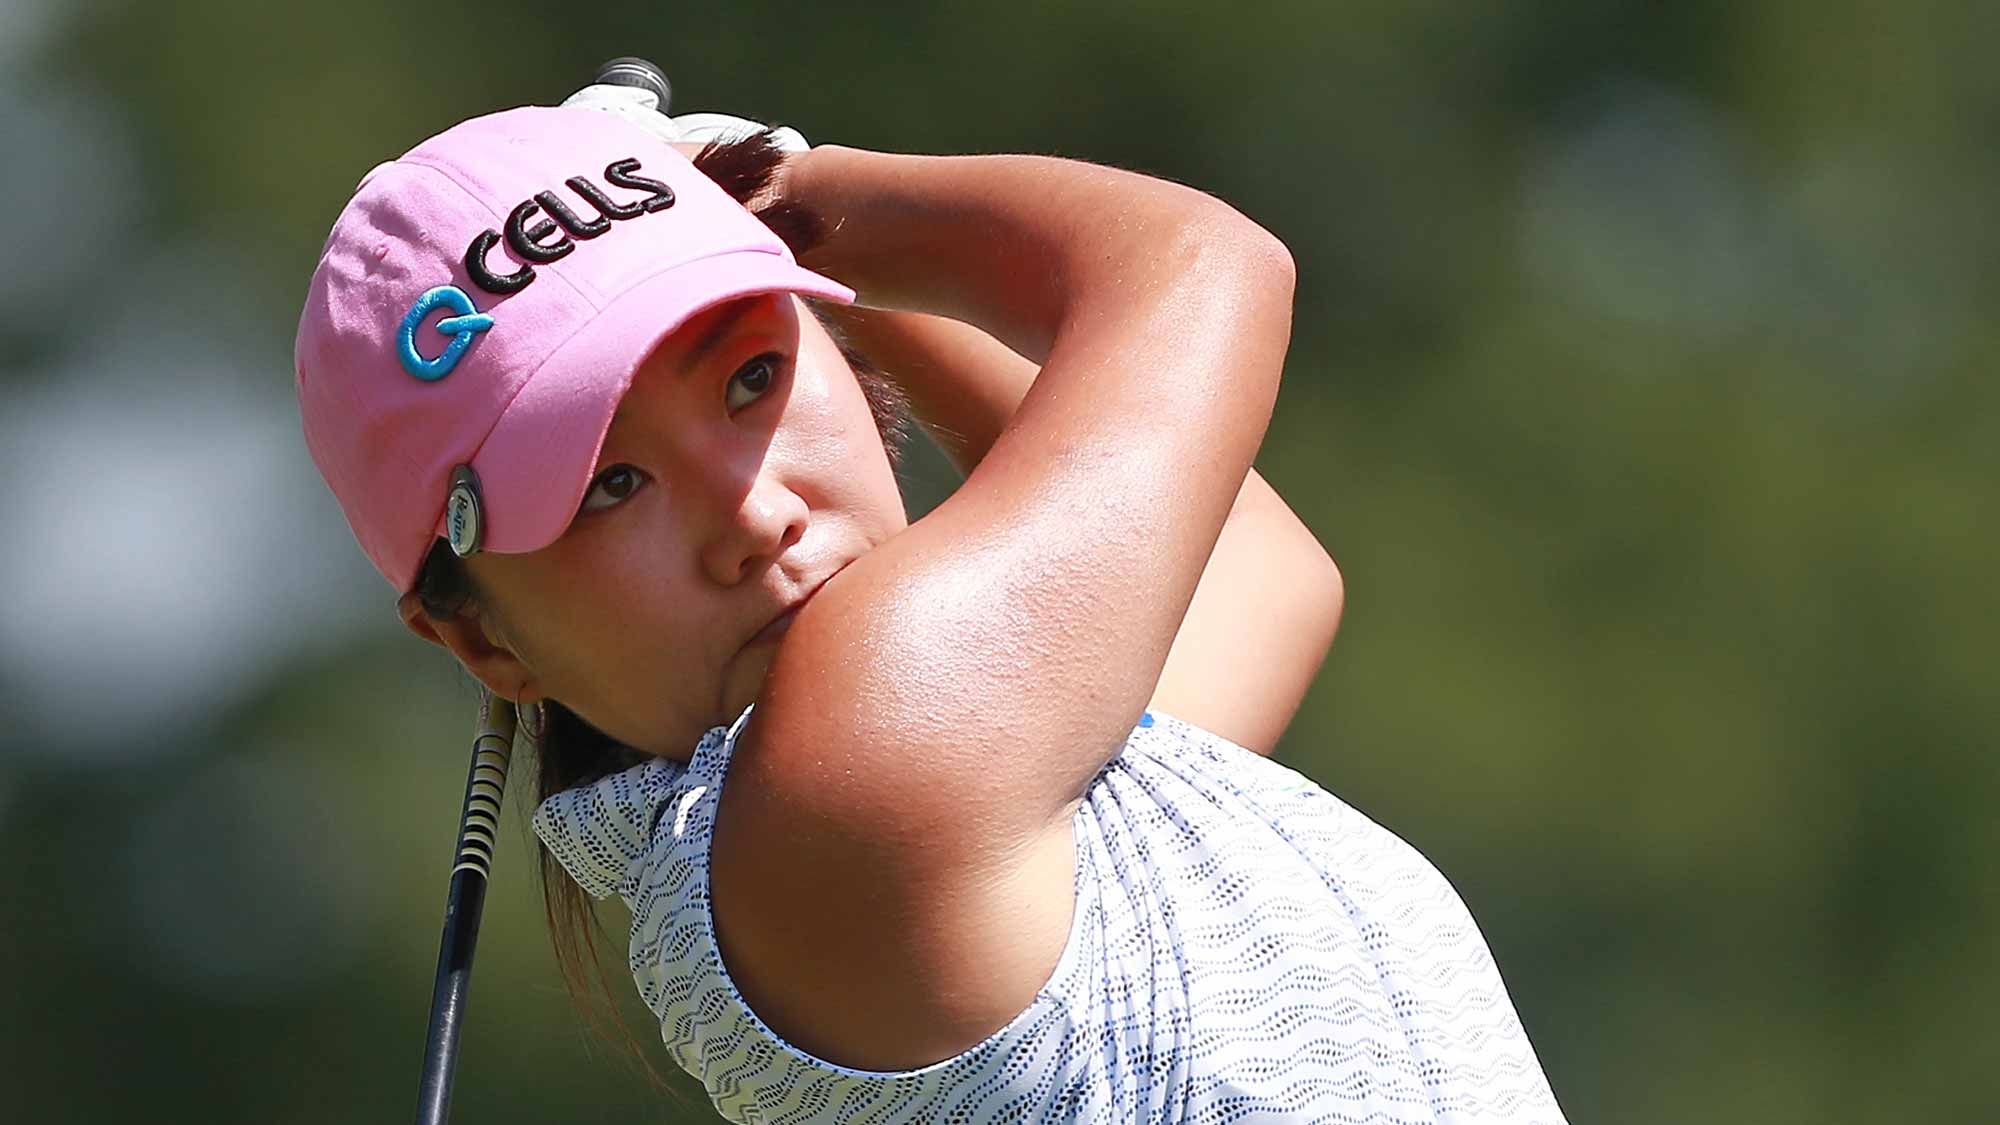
461,328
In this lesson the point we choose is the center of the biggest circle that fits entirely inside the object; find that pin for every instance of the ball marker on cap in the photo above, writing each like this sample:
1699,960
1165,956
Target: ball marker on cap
464,519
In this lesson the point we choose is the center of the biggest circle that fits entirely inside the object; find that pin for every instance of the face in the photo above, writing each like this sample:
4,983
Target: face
742,470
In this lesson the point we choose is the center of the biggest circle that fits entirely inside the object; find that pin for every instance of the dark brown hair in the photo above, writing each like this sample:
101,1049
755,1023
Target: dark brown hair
571,752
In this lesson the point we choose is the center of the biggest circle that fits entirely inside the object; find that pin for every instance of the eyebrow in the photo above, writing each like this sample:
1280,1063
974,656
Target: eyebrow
713,337
719,331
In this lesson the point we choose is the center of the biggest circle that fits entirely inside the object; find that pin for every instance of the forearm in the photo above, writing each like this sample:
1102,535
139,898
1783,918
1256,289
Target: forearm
1146,304
1021,246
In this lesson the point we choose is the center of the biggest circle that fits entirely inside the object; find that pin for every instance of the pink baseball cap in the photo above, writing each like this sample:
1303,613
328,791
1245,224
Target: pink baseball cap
480,308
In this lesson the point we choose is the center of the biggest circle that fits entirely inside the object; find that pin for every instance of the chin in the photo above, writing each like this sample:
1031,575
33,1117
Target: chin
745,684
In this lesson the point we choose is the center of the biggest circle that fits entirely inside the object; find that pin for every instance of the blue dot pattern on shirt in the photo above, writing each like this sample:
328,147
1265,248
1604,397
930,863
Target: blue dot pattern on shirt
1245,948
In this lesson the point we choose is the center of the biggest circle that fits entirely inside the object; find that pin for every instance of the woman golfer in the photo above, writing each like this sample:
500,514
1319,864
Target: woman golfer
964,820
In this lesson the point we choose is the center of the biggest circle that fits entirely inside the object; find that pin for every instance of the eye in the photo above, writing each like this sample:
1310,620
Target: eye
751,381
612,486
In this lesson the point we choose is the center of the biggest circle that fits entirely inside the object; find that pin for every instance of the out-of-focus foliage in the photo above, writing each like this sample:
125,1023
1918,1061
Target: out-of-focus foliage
1642,386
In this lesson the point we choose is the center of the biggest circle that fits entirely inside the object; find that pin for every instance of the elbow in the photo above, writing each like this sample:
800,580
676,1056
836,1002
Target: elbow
1238,281
1211,233
1318,594
1253,270
1261,258
1270,262
1322,590
1225,243
1330,597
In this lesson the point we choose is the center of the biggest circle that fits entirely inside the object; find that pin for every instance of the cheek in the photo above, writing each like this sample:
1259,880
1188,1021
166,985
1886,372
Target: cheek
601,603
566,634
835,443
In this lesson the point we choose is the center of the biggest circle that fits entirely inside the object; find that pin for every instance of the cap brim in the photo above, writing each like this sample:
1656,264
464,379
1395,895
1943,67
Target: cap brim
536,463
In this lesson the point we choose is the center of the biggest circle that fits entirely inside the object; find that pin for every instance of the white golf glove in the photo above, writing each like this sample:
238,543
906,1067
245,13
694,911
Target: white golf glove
641,108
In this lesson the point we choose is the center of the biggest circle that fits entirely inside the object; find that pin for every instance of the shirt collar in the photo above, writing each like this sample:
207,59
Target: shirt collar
601,832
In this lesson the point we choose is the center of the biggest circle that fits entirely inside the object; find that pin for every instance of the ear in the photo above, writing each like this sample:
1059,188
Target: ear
491,662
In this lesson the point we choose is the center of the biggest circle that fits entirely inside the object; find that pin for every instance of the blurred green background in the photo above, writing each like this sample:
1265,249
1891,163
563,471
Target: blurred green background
1639,386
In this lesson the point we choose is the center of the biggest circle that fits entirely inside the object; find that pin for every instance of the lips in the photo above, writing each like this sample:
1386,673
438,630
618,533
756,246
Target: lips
769,634
776,628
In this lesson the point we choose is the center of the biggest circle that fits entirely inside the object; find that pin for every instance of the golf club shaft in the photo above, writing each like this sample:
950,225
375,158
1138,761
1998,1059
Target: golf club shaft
478,828
479,822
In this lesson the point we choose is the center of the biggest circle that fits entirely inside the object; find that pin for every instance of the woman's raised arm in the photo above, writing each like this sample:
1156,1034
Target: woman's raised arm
1270,597
938,708
1160,317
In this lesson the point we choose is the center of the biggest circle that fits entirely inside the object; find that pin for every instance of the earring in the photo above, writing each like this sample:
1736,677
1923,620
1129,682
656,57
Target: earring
534,720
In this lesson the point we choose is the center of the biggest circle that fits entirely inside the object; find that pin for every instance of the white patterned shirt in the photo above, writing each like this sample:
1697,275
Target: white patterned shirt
1244,948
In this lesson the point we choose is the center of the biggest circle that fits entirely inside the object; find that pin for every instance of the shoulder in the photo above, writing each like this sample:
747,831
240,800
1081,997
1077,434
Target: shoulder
872,940
892,862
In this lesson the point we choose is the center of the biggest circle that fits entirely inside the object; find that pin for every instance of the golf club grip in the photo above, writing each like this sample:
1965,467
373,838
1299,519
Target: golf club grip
478,829
629,71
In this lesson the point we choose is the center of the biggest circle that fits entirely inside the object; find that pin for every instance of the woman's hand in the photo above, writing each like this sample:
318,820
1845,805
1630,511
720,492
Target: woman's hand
689,133
641,108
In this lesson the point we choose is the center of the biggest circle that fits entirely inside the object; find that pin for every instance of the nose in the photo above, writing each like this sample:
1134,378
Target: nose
763,525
